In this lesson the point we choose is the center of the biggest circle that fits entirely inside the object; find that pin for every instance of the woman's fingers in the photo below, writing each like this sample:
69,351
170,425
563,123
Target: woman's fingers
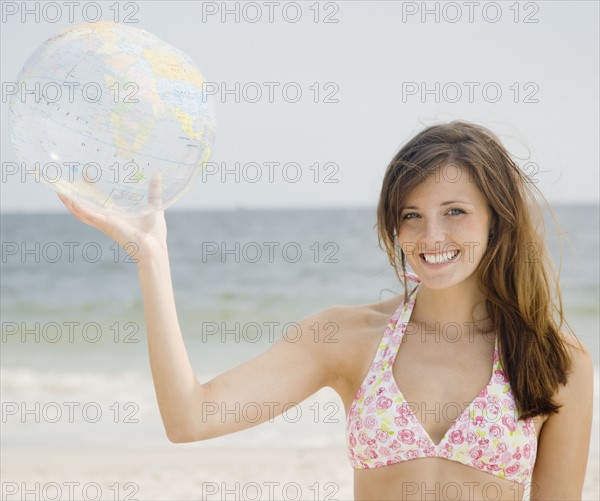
155,191
85,215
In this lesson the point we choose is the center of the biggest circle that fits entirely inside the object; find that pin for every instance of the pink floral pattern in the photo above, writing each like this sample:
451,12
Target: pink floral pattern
382,429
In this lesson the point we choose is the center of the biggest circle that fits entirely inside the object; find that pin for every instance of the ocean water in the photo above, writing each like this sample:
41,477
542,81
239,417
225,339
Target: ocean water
74,363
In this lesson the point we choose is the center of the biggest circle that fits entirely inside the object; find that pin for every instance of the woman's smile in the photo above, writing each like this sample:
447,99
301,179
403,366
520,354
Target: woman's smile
441,259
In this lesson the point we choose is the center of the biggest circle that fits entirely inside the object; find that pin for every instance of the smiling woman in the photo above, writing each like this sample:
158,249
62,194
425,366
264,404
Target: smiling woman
463,216
468,391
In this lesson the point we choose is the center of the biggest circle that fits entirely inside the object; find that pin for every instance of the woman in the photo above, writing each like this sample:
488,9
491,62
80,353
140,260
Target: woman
414,371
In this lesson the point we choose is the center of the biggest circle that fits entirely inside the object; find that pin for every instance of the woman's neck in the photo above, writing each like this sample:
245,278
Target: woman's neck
459,310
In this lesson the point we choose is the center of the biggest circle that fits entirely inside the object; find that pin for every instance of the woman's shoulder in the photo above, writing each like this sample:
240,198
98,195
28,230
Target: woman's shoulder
581,373
581,359
353,320
356,329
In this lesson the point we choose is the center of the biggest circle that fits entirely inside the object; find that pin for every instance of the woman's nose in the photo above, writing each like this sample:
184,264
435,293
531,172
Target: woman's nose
433,237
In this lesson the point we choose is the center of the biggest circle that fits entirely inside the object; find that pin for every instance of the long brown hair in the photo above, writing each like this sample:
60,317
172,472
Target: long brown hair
515,268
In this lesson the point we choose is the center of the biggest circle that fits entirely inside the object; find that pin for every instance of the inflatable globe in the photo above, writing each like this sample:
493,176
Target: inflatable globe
101,109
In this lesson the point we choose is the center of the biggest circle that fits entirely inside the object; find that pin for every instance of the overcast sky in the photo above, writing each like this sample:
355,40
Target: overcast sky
371,64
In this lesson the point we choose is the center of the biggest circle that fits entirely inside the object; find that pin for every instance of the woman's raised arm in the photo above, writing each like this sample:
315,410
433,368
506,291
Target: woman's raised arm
291,370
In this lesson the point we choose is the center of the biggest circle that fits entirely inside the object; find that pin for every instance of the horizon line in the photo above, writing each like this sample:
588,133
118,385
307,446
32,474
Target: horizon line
58,211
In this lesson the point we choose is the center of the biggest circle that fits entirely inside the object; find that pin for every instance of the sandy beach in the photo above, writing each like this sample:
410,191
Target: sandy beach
189,472
179,473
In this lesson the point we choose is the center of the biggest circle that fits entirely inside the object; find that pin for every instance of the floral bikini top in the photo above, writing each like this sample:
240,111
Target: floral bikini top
382,429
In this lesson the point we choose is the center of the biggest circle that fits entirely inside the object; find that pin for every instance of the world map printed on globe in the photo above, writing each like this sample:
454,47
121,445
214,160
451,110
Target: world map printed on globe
101,108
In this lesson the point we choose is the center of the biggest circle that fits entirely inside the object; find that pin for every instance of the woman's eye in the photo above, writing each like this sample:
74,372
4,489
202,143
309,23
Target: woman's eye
406,216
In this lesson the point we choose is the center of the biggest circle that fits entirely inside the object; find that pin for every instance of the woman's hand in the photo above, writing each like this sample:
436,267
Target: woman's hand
141,237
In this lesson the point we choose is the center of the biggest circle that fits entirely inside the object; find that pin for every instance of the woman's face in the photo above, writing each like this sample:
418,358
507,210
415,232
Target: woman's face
444,214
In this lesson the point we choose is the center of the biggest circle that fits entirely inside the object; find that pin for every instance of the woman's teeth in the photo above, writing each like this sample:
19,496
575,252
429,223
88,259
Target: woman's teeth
440,258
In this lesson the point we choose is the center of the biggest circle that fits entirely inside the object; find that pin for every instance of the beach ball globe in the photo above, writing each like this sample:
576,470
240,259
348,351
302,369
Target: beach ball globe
102,109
